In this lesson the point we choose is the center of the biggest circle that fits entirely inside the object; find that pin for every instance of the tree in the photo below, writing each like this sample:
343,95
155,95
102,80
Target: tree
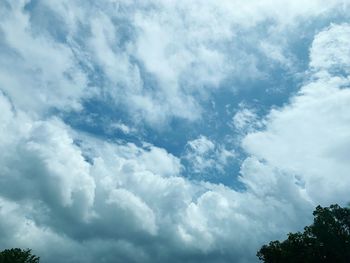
17,255
326,240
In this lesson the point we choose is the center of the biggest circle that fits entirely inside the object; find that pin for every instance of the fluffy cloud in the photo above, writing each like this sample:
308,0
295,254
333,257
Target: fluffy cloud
37,161
86,198
206,156
36,71
73,197
309,136
166,57
330,52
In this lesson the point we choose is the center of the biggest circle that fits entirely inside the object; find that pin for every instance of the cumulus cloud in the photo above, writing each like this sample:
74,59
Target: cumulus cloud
330,52
74,197
37,161
309,136
121,199
205,156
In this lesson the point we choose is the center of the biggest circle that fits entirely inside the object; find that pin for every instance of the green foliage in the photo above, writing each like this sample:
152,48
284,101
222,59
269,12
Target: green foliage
326,240
17,255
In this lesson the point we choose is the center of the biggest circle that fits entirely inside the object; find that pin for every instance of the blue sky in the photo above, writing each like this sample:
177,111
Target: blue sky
169,131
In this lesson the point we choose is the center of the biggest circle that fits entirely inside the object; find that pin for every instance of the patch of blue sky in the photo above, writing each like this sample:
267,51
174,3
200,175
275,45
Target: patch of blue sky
98,118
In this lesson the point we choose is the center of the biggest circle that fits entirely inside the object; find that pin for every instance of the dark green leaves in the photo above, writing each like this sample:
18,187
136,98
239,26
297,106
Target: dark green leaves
326,240
17,255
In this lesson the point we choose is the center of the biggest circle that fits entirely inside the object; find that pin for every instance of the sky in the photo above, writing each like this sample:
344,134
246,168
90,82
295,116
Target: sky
170,131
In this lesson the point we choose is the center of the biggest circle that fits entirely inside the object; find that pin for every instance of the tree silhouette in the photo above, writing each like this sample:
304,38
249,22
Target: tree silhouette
326,240
17,255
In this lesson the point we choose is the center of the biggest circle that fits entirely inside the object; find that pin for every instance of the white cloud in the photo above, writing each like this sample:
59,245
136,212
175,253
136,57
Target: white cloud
123,196
309,137
199,154
202,145
246,120
120,127
205,155
37,72
68,195
139,211
44,163
330,51
165,57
